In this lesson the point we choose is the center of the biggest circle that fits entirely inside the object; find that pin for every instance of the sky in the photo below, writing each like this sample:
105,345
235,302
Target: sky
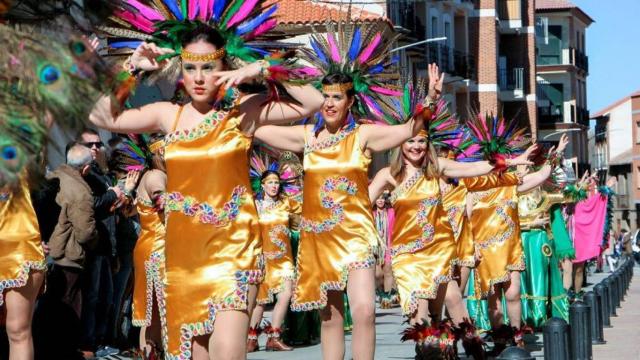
613,47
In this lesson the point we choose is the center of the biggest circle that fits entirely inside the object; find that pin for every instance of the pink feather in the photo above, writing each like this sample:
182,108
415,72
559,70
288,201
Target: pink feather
266,26
137,21
368,51
242,13
483,122
307,71
476,131
501,127
370,105
192,10
204,10
335,53
471,150
146,11
385,91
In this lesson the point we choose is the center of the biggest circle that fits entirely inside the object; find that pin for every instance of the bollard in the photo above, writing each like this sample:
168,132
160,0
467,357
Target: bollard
603,293
597,334
580,320
615,295
555,337
513,353
620,289
610,301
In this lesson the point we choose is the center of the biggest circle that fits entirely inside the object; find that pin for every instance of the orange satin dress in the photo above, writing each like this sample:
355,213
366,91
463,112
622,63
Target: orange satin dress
148,266
20,246
276,246
423,249
212,245
454,203
337,230
496,231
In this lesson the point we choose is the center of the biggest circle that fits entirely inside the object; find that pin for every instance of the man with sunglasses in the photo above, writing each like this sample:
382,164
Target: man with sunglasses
98,285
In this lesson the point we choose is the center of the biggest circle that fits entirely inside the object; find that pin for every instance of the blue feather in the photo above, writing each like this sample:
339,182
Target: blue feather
494,128
319,53
258,50
319,123
218,8
376,69
273,167
249,25
351,121
173,7
124,44
354,50
395,59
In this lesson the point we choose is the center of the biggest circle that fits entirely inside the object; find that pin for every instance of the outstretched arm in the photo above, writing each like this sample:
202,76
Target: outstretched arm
457,169
289,138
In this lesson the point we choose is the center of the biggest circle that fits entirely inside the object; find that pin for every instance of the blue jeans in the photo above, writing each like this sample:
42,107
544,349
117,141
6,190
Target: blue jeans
120,281
97,296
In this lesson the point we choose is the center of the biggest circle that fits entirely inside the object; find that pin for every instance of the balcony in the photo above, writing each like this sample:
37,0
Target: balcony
582,116
454,62
579,59
569,56
622,201
402,14
511,79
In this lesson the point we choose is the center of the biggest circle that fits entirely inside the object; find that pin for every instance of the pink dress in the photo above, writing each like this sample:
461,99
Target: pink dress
588,225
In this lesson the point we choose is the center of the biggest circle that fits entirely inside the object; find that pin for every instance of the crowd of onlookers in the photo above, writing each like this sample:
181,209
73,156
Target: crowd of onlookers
88,232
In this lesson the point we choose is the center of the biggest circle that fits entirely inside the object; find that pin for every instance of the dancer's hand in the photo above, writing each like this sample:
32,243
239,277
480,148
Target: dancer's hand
562,144
145,57
523,159
436,79
131,181
233,78
612,182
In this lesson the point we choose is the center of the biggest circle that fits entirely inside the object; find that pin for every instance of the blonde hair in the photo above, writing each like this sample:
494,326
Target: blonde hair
430,163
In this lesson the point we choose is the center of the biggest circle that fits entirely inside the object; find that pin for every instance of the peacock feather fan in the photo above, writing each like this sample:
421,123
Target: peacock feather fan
130,154
242,24
496,136
361,51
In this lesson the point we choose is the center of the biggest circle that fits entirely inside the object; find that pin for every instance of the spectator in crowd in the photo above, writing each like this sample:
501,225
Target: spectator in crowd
75,231
97,288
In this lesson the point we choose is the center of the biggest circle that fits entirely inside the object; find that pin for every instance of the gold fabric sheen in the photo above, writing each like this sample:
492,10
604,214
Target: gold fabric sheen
496,231
20,246
275,225
423,249
212,246
454,203
337,231
148,265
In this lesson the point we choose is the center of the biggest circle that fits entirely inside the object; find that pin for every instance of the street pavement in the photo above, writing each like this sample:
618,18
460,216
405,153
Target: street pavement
623,338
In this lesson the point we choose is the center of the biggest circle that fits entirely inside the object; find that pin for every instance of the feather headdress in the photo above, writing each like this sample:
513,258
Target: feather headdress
264,159
360,51
130,154
241,23
495,136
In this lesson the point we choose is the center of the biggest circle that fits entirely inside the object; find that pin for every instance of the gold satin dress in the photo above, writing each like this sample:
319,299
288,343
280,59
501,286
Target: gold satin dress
212,245
276,246
454,204
423,248
148,266
337,230
20,246
496,231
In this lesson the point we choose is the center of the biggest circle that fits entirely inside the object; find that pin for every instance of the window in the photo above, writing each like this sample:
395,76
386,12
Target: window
447,31
554,94
550,50
637,132
434,26
638,177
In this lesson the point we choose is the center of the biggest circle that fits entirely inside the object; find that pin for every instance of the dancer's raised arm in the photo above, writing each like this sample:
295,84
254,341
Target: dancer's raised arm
455,169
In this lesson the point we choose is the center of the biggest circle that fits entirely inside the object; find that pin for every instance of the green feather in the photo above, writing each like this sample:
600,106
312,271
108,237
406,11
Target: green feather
184,8
406,102
231,10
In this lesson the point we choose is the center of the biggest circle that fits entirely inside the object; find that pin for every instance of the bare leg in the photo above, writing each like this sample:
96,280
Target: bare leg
200,348
379,277
153,332
422,313
387,274
361,293
578,273
453,302
512,295
20,306
465,272
567,273
256,316
280,310
332,331
435,305
495,307
229,338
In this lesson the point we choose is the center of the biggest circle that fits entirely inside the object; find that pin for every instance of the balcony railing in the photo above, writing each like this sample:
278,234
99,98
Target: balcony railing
582,116
511,79
623,201
402,14
579,59
453,62
510,9
550,119
576,58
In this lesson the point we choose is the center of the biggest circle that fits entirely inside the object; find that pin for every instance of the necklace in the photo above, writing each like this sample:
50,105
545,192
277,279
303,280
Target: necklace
329,141
407,184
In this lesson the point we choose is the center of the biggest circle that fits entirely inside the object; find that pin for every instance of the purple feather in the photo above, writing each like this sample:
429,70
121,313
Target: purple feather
266,26
193,9
250,25
125,44
373,107
385,91
368,51
242,13
146,11
335,53
318,51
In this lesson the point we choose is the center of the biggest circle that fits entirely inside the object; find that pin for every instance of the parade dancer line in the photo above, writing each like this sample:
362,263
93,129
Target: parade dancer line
213,246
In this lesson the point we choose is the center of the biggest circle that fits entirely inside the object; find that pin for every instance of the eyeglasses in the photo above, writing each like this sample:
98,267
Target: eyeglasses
97,144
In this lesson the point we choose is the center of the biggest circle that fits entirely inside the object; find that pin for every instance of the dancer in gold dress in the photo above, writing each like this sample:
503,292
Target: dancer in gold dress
212,245
279,218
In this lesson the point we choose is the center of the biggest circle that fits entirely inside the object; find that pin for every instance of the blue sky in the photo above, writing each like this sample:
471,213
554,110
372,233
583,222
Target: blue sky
613,47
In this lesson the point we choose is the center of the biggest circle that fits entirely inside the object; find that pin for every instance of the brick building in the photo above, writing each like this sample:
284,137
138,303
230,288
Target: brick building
562,70
617,153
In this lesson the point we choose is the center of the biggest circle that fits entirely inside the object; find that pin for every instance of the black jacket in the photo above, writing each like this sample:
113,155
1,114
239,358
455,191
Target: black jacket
103,200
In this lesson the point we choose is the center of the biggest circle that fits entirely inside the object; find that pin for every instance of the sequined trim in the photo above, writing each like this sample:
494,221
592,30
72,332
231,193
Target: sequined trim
453,216
337,211
332,140
272,292
506,276
406,185
23,277
477,196
331,285
275,238
208,124
206,214
430,293
500,238
265,206
153,277
235,301
428,231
